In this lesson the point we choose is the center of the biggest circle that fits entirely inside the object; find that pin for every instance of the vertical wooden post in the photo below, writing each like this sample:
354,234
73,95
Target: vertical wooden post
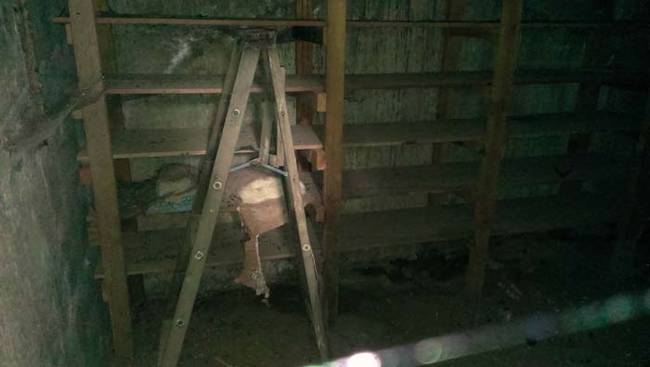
304,65
589,92
495,140
335,87
637,208
98,141
450,45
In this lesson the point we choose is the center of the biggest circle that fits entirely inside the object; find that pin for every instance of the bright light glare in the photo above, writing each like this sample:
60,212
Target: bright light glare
363,359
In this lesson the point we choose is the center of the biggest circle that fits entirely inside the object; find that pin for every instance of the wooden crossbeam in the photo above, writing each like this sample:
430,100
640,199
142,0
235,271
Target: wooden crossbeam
489,25
495,140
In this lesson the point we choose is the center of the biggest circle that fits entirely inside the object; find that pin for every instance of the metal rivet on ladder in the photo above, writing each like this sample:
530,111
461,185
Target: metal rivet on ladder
306,247
180,323
198,255
217,185
236,112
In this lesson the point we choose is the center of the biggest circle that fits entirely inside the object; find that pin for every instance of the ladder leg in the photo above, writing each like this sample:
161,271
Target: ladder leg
308,256
208,220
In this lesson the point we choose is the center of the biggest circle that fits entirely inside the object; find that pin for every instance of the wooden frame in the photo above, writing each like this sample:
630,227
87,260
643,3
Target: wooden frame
334,118
98,137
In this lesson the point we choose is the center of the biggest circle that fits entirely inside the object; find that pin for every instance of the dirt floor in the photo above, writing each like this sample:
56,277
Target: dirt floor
402,302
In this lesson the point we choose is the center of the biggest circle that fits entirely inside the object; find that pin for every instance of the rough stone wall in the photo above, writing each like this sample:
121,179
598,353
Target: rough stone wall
51,313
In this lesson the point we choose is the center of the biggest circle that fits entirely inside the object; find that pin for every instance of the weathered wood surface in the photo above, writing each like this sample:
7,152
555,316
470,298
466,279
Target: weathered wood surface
282,23
426,132
175,84
455,176
335,80
210,211
147,143
153,252
96,122
495,141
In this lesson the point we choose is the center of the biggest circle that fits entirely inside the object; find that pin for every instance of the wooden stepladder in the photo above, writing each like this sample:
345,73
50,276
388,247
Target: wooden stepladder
226,129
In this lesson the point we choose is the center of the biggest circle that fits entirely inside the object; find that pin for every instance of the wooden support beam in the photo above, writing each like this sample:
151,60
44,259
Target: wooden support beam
495,140
449,59
595,55
335,115
306,104
109,66
488,25
98,137
637,210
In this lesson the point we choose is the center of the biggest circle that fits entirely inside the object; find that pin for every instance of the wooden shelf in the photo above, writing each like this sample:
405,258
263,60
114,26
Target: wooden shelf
489,25
147,143
455,176
571,123
423,225
191,84
448,131
154,252
177,84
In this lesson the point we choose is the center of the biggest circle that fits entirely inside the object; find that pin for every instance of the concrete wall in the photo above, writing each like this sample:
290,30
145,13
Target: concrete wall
51,313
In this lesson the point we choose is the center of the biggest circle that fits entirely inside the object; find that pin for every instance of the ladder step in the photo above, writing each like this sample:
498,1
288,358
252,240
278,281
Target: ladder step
152,252
148,143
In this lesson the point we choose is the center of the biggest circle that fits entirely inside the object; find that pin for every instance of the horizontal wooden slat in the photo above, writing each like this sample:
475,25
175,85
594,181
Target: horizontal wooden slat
176,84
281,23
407,226
155,251
453,176
188,84
147,143
384,134
571,123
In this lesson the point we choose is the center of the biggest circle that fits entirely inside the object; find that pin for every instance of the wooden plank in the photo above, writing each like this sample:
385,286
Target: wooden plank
154,252
147,143
381,134
426,132
498,109
89,72
569,123
595,54
282,23
457,176
451,47
636,212
335,81
176,84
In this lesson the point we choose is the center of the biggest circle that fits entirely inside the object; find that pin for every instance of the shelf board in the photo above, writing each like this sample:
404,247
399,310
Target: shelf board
431,224
448,131
571,123
189,84
455,176
192,84
153,252
488,25
148,143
